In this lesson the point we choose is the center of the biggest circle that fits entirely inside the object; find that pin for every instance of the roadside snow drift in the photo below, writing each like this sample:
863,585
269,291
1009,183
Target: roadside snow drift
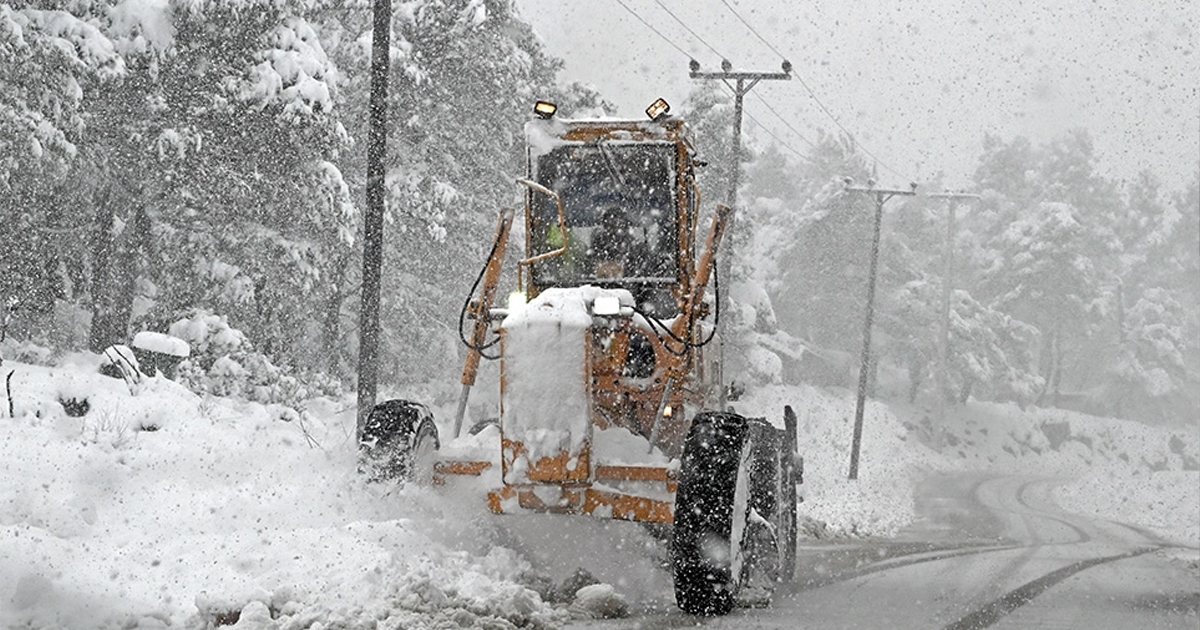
165,509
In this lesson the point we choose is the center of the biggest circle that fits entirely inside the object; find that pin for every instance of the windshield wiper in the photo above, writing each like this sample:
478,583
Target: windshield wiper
611,164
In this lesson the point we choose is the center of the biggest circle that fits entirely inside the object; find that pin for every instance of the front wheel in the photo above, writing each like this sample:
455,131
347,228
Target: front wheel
731,507
398,442
712,514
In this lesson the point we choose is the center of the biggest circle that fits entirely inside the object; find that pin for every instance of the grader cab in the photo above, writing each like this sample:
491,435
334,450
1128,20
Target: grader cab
611,391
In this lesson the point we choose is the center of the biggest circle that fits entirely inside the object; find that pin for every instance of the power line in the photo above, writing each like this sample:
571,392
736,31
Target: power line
651,27
777,138
846,131
812,93
686,27
751,117
784,121
764,102
760,37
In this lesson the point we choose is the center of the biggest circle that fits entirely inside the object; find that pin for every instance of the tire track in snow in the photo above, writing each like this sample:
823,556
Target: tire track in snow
995,610
1082,535
900,560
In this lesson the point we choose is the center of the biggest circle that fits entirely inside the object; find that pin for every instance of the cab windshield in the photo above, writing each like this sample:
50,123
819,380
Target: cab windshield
619,202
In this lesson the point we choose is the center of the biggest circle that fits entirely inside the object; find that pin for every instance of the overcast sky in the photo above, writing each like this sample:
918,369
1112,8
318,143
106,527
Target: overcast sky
917,83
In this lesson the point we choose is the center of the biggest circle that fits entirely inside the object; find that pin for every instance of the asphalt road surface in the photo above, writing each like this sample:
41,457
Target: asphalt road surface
985,552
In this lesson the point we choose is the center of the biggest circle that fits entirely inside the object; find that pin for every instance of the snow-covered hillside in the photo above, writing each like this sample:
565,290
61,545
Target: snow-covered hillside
165,509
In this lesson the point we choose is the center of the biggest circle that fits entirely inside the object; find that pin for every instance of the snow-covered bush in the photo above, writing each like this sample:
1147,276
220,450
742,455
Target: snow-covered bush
225,363
26,352
209,335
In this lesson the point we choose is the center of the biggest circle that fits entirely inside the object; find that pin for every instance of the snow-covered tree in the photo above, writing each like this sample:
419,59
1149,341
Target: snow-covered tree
1048,247
1044,275
51,61
911,321
709,113
230,106
1149,375
201,143
45,57
1009,168
809,251
991,353
1151,370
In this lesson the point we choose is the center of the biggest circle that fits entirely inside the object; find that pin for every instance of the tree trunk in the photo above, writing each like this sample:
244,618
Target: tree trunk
916,370
264,315
104,331
1058,365
368,342
126,269
1046,366
6,311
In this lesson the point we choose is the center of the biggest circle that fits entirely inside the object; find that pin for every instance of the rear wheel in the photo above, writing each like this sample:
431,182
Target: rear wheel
764,534
399,442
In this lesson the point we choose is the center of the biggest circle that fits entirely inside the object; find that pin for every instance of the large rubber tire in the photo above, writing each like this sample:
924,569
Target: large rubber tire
791,475
711,510
762,543
786,521
398,442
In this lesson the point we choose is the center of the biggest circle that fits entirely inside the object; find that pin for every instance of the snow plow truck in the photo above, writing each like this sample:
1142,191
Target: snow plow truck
612,402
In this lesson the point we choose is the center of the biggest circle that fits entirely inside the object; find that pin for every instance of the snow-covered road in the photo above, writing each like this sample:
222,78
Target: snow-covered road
986,551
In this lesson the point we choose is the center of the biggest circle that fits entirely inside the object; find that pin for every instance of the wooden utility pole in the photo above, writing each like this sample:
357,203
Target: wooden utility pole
881,196
740,83
943,370
368,339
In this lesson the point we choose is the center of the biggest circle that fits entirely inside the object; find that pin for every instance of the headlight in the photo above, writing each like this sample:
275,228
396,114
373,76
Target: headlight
658,109
606,305
545,109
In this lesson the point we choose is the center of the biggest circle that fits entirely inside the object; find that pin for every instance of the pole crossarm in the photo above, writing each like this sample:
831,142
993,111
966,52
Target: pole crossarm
953,195
743,76
882,195
741,89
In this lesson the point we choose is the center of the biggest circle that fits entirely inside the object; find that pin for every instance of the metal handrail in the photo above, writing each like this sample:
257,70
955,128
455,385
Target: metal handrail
562,230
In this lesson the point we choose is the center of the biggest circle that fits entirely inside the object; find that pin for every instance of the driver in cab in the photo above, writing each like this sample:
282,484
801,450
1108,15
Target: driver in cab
615,250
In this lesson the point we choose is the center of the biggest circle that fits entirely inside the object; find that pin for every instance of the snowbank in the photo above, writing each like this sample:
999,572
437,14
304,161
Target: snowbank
1166,501
166,509
1115,469
880,501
